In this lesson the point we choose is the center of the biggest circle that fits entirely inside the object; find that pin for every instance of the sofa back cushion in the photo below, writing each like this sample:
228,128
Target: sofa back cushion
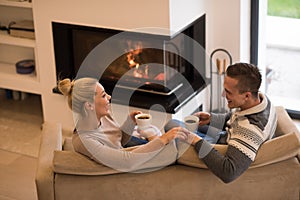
285,124
275,150
285,145
71,162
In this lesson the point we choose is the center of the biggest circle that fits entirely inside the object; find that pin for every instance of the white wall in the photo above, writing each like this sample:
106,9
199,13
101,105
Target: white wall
226,26
185,12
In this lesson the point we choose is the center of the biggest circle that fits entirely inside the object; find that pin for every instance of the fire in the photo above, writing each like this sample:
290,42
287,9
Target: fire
136,62
133,59
134,51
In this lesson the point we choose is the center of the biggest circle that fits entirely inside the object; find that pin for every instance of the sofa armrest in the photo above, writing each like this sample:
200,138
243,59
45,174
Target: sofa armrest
51,140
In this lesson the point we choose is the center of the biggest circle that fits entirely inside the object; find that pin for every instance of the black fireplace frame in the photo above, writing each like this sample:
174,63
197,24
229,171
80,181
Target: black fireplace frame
64,60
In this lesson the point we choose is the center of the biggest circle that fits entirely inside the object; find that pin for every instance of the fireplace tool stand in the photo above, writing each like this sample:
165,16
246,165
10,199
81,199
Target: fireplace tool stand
217,74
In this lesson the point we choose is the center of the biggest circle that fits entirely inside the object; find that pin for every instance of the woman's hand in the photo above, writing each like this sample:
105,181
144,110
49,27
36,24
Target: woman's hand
133,114
177,132
150,132
204,118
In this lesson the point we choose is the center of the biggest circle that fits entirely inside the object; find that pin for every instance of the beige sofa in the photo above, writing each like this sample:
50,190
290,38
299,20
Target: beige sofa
65,174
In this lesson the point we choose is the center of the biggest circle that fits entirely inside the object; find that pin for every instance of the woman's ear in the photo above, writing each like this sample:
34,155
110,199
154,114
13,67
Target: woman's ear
89,106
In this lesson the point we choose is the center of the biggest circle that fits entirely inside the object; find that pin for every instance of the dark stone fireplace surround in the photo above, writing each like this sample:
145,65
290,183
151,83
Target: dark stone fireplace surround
65,62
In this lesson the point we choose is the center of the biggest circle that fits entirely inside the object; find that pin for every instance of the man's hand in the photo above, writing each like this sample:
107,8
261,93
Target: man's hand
204,118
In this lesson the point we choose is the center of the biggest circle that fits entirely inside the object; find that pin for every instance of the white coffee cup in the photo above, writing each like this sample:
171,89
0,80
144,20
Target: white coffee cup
191,123
143,120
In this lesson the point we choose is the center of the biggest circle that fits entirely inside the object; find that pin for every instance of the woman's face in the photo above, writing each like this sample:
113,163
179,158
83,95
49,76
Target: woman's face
102,101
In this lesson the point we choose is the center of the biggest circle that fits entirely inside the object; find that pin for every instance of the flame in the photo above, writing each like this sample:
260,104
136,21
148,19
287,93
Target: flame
130,60
134,51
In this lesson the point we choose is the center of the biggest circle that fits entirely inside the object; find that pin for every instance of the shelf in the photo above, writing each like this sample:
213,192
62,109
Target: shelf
20,4
5,38
14,49
22,82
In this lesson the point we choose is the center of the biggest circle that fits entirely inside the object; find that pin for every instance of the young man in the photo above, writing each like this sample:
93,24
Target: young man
250,123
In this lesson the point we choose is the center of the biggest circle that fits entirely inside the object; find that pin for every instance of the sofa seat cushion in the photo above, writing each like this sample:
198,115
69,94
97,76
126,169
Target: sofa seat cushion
274,150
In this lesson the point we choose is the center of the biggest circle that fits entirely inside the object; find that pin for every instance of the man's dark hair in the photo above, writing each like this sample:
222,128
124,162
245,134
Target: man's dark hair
248,76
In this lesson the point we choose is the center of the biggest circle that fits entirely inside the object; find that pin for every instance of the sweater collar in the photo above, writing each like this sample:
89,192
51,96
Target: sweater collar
255,109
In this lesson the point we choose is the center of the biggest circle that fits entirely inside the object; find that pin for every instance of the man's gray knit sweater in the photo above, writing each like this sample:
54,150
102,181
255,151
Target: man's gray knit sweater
246,131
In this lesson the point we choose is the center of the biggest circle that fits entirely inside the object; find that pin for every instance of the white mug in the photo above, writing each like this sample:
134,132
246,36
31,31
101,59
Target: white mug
143,120
191,123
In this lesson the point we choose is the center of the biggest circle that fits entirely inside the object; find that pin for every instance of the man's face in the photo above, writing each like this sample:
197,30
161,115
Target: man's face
234,98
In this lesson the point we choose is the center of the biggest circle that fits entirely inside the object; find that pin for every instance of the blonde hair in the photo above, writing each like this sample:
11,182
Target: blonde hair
78,91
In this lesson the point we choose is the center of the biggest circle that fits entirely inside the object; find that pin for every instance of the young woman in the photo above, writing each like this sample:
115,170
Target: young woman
99,136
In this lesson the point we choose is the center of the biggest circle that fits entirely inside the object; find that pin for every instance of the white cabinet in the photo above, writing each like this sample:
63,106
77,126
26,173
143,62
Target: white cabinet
14,49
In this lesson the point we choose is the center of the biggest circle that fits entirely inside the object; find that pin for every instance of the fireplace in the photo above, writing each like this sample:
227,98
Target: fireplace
152,68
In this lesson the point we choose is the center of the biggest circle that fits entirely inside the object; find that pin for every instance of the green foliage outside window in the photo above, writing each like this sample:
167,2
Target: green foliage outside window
284,8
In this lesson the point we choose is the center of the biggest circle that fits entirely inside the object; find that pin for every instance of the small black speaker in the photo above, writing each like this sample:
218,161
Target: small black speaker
25,66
